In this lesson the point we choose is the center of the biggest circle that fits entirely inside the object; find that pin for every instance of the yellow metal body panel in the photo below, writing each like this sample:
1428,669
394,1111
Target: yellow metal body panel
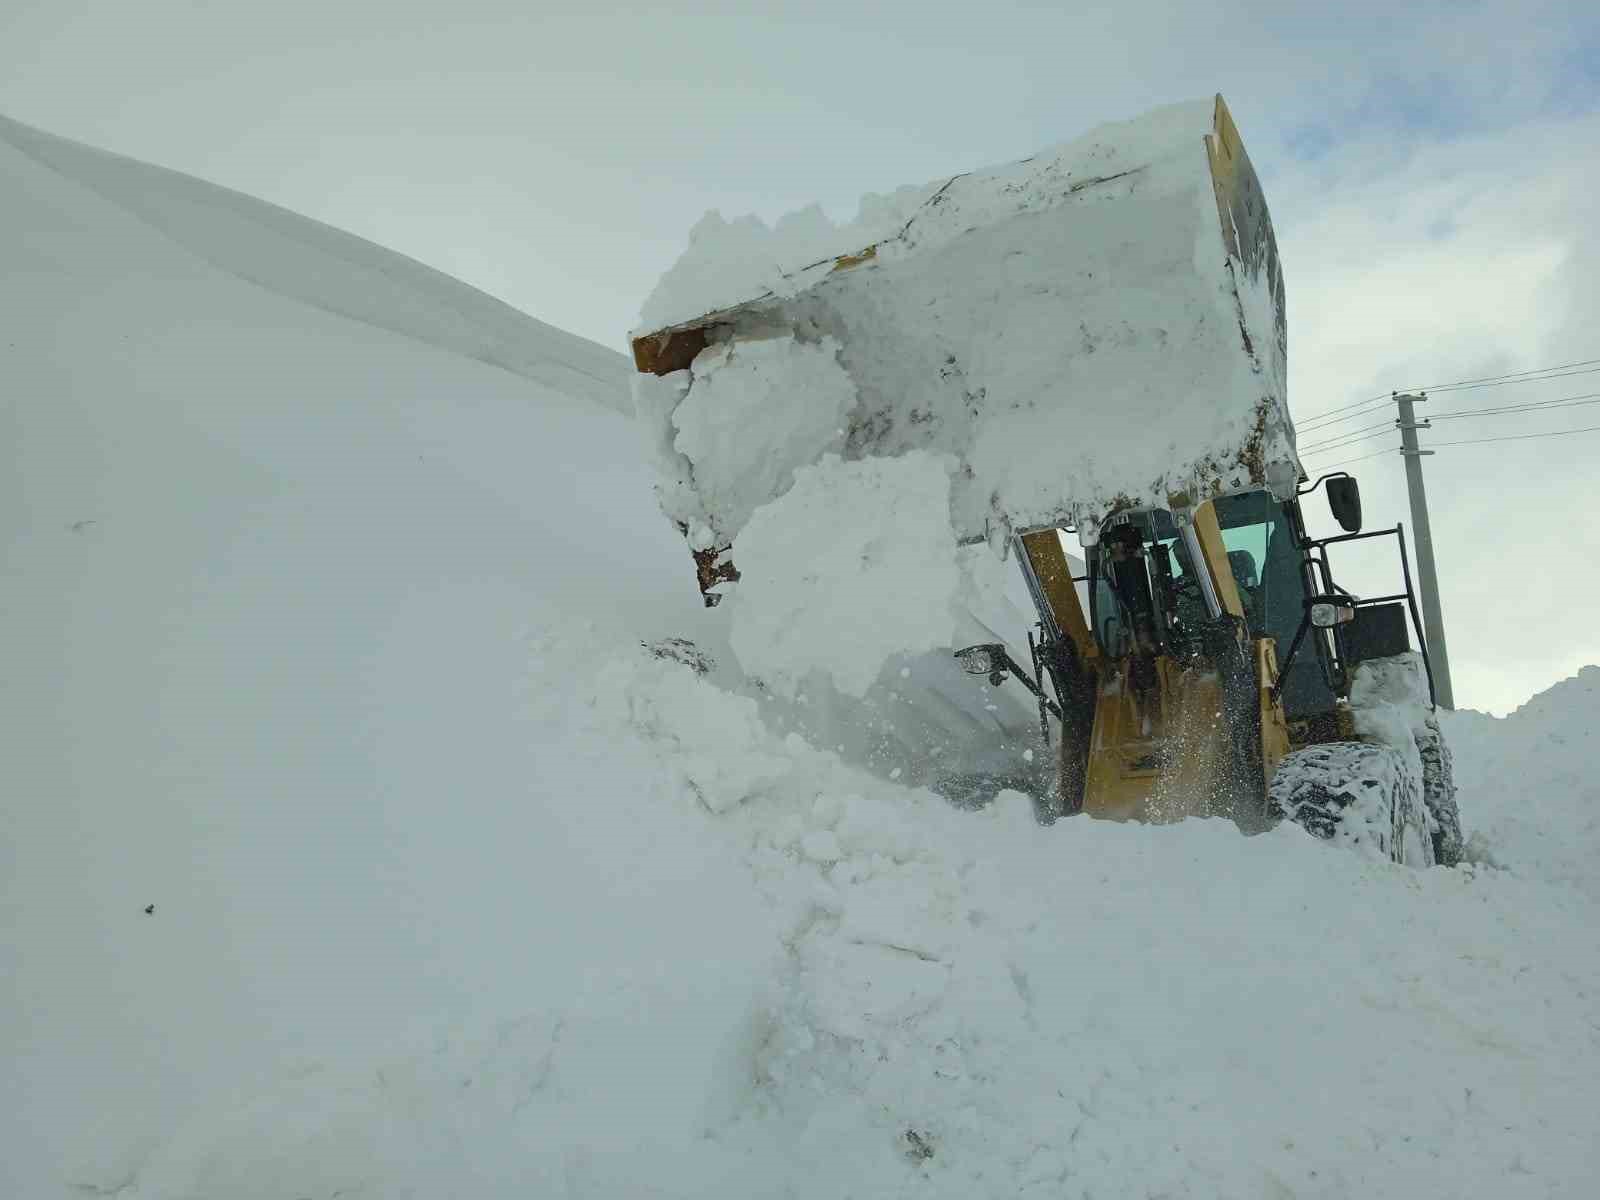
1164,754
1158,757
845,261
1242,210
1274,725
1050,567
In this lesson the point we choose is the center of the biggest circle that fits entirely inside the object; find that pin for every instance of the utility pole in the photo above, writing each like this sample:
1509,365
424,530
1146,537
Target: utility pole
1432,615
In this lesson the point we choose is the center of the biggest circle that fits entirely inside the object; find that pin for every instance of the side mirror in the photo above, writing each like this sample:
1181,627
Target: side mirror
1344,499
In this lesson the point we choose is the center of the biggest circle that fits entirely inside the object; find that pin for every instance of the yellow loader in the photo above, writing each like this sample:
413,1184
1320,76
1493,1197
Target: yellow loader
1096,337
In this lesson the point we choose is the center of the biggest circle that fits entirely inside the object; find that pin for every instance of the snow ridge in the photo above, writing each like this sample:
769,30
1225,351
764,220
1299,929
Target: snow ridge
289,254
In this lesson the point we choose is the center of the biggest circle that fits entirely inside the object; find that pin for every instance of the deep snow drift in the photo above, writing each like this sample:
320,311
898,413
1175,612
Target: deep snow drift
325,642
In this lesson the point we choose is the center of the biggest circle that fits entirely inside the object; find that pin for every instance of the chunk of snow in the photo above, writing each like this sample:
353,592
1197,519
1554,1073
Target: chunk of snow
855,563
821,846
754,412
1389,702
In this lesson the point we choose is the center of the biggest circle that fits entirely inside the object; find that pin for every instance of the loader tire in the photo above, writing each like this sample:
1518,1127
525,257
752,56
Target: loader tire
1439,794
1367,796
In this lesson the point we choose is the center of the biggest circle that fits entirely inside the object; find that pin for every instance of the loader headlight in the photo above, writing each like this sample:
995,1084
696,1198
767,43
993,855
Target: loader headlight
1326,615
980,660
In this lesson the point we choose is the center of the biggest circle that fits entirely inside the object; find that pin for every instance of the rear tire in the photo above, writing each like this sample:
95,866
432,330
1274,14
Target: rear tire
1439,794
1366,796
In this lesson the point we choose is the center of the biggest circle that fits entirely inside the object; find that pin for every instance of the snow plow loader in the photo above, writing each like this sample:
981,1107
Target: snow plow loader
1094,339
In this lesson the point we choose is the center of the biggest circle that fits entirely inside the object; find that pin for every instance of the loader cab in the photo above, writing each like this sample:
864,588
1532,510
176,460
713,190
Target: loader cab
1146,595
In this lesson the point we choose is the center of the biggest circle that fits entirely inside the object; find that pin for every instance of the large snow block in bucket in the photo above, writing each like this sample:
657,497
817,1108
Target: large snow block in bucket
1098,327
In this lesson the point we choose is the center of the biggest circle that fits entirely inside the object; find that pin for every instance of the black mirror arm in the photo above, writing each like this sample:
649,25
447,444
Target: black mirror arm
1294,648
1311,487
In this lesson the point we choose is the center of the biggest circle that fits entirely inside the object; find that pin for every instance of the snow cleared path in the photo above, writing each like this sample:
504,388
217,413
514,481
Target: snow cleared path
325,641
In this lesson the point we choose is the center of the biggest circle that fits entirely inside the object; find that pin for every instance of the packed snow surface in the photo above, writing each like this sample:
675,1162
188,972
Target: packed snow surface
829,985
356,844
1072,328
850,567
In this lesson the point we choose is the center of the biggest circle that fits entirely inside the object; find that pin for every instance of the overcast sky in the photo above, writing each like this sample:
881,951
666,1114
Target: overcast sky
1432,170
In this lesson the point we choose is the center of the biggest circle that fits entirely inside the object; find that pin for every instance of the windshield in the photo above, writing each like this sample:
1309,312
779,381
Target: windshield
1265,562
1261,553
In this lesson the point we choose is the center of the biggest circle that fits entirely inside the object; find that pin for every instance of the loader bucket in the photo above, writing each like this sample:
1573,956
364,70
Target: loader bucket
1095,328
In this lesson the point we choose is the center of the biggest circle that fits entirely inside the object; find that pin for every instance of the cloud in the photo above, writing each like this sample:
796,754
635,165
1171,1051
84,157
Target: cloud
1450,260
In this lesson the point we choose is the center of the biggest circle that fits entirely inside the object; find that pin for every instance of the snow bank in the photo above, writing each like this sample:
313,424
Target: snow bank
1529,797
964,1003
1076,329
265,568
851,566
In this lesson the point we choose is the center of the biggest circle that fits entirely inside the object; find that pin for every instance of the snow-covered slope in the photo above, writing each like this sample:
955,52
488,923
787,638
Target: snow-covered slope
265,572
324,641
326,268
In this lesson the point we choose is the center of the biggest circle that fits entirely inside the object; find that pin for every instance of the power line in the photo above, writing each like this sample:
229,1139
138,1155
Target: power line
1332,411
1513,375
1563,402
1366,410
1367,407
1362,434
1347,445
1517,437
1350,433
1507,382
1348,462
1530,376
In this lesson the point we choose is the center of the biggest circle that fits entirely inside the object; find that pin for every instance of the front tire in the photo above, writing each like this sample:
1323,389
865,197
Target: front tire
1366,796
